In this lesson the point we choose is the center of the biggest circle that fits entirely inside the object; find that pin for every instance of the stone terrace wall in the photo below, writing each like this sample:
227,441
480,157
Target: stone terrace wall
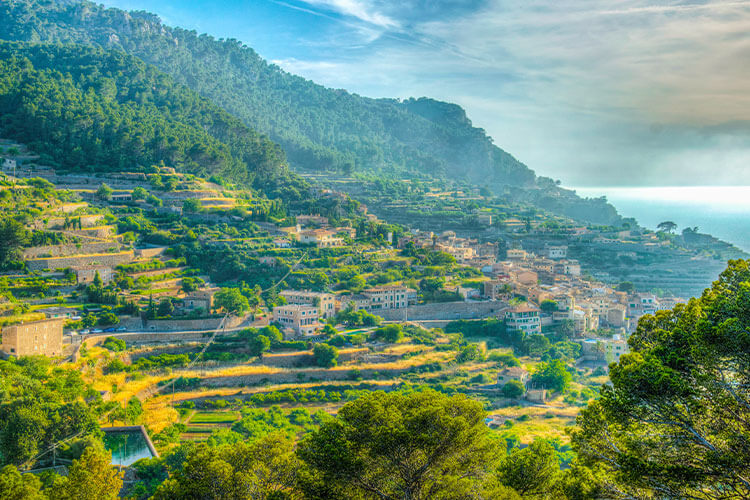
112,259
69,250
58,222
292,376
307,358
177,325
444,311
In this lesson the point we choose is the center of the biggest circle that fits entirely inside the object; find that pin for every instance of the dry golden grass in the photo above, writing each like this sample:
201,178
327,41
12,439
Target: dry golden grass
544,422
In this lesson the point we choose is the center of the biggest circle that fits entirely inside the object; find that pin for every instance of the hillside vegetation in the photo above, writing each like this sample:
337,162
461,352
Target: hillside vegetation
88,109
319,128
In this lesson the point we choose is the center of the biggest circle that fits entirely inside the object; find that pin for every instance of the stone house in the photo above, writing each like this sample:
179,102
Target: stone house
33,338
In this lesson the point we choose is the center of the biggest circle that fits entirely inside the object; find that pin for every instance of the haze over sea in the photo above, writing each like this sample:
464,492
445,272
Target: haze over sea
722,211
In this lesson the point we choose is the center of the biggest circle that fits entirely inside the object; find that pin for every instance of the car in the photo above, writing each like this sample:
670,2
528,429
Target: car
109,330
97,331
122,329
86,331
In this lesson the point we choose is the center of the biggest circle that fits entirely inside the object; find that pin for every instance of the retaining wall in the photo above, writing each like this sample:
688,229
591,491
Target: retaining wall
112,260
446,311
170,325
69,250
307,358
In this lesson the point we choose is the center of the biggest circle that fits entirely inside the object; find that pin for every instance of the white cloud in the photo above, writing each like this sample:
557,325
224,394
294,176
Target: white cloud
582,90
359,9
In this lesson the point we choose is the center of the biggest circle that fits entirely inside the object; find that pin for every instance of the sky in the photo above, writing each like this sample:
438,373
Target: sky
592,92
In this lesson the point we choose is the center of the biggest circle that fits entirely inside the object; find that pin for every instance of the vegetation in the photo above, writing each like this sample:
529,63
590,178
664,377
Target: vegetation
133,126
675,415
319,128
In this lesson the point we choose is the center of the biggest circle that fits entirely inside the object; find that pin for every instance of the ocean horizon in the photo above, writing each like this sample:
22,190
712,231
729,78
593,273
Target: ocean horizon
722,211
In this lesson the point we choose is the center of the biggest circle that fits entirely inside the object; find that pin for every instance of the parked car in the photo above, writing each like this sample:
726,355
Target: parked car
122,329
97,331
109,330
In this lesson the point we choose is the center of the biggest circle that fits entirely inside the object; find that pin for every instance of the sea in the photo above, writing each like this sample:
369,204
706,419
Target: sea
722,211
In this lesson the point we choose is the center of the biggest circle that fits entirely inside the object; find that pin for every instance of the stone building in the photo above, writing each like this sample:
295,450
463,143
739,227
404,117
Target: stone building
33,338
297,319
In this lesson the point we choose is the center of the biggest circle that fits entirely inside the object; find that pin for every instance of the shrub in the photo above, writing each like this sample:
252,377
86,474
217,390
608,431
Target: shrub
114,344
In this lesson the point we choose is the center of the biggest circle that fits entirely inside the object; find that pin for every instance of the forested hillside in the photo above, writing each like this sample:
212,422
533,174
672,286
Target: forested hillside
93,110
319,128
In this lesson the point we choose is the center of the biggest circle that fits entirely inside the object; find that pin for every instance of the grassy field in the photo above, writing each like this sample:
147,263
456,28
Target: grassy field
214,417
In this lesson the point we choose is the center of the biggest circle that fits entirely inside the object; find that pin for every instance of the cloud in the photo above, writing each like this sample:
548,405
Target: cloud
359,9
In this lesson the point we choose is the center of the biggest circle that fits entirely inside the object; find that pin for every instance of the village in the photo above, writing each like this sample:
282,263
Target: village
201,300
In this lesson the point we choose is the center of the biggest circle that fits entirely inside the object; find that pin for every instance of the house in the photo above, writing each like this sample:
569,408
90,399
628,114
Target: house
60,312
492,289
512,373
568,267
525,318
616,316
359,301
641,304
527,277
281,243
34,338
120,197
389,297
9,164
297,319
321,238
267,260
203,298
87,274
556,251
603,349
325,302
536,395
516,254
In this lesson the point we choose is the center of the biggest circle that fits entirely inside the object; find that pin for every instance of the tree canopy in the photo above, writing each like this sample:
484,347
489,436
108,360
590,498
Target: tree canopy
676,420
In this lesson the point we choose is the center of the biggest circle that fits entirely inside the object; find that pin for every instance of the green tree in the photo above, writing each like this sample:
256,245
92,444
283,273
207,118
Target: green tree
192,206
553,375
104,192
13,236
265,470
259,344
471,352
548,306
675,422
531,471
114,344
398,446
133,410
513,389
139,194
17,486
190,284
231,300
166,307
325,355
91,477
626,286
666,227
389,333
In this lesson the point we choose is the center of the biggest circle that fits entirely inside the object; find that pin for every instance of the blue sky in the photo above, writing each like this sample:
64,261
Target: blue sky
592,92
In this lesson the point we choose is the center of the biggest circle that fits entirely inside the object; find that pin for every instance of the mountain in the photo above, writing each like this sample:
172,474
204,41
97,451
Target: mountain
87,109
319,128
